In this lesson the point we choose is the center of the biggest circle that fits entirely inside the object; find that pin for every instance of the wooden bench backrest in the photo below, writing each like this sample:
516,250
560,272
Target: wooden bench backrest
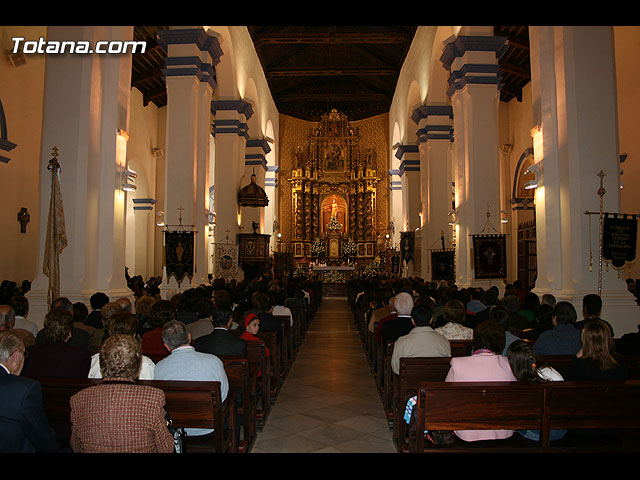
515,406
414,370
590,404
190,404
479,406
460,348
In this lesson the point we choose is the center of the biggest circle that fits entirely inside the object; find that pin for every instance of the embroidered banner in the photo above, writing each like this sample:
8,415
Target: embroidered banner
490,256
619,239
443,265
179,255
226,257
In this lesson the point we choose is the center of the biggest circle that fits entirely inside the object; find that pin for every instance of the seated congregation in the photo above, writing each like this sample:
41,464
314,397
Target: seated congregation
421,334
122,377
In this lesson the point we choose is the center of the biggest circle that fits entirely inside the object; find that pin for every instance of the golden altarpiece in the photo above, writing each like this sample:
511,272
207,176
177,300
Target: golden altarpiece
334,187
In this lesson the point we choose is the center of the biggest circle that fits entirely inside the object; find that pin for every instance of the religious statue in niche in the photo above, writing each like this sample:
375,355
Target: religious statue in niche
298,158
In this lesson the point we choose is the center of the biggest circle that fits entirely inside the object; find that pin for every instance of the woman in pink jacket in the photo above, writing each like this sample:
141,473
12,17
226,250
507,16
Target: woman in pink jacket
485,364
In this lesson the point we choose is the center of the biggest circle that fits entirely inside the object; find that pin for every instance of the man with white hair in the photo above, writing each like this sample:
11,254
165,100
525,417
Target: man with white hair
401,325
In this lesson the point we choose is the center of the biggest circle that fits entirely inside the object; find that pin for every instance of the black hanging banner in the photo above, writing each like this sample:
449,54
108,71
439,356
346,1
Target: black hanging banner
619,239
443,265
179,254
490,256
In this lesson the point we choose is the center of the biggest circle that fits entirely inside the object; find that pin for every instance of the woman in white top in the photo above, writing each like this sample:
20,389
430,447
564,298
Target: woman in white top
125,323
524,368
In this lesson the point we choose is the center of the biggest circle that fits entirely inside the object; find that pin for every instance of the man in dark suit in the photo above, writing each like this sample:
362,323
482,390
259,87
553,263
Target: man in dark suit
221,341
24,427
57,357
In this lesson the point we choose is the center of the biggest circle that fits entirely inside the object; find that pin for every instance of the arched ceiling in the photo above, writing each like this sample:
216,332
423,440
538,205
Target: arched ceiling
312,69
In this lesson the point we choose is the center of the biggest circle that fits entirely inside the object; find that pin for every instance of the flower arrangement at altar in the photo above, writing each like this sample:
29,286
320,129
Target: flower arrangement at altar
299,273
318,248
373,269
349,248
334,277
334,224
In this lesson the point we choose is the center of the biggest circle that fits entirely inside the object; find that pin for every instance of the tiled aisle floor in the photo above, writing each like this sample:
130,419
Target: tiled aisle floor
329,402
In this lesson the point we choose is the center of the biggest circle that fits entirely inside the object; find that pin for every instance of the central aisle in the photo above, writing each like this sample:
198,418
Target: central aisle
329,402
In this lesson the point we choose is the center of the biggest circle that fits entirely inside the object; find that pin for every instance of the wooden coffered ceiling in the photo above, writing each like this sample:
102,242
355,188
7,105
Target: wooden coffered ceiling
312,69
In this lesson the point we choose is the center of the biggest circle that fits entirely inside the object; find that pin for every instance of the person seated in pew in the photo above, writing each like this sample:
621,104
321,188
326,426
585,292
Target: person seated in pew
592,308
564,337
125,323
221,341
268,323
485,364
597,359
79,337
184,363
161,313
251,328
24,426
524,368
422,340
454,313
394,328
57,357
118,415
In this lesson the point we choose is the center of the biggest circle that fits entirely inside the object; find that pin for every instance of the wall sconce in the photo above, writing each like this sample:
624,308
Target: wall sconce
452,217
535,170
160,220
127,178
503,216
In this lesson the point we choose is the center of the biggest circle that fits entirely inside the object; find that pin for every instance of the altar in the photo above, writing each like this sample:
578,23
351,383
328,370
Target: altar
334,278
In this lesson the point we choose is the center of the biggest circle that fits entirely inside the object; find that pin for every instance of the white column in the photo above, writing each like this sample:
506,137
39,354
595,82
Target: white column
190,78
575,106
86,104
230,133
435,136
472,59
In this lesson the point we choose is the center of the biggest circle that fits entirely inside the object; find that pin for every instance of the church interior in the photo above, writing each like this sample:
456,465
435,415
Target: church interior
471,155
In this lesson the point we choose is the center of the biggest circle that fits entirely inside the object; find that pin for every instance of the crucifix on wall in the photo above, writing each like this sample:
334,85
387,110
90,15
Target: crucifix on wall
23,218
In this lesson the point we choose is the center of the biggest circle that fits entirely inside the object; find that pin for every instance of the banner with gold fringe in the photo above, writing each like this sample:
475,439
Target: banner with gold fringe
490,256
179,254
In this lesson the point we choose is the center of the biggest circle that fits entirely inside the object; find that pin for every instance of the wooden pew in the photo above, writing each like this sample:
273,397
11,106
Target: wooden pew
258,356
459,348
242,376
286,346
269,339
412,372
562,363
538,406
190,404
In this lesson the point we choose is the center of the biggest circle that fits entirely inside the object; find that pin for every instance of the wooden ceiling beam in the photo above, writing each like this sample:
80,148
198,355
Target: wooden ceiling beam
326,37
334,97
329,71
515,69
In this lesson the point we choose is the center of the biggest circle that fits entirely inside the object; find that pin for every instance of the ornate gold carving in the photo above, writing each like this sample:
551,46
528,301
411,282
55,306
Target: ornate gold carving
333,157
